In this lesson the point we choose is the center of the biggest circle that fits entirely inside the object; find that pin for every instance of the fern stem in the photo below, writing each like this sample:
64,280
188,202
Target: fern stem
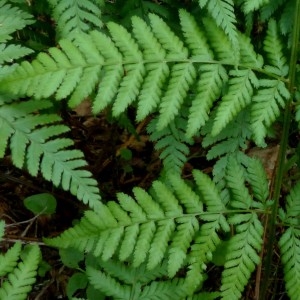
282,153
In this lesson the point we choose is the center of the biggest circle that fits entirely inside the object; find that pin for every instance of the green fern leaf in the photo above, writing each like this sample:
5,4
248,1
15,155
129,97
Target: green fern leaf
108,86
186,195
250,5
209,87
171,141
290,255
205,296
274,50
148,230
207,238
108,284
9,260
242,255
130,275
256,175
11,52
222,12
248,56
35,143
239,95
12,19
131,83
289,242
170,42
22,278
212,77
286,22
76,16
151,91
268,10
265,108
163,290
181,241
183,75
219,42
229,140
235,180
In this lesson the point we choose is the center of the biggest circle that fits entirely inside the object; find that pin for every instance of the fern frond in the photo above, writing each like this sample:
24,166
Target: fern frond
149,230
252,5
11,52
73,17
256,176
205,296
274,50
124,280
248,57
211,78
265,108
107,284
12,19
9,260
268,10
164,290
286,22
229,140
151,91
219,42
21,279
35,142
150,68
170,42
209,88
235,180
183,75
242,255
289,243
113,71
207,238
222,12
290,257
172,143
239,95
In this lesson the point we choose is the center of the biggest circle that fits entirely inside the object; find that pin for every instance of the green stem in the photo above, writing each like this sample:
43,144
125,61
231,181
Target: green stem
281,156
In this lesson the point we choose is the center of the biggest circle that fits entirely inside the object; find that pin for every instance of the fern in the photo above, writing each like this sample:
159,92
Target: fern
35,143
222,11
199,77
250,6
9,260
282,11
11,20
132,75
22,277
172,143
164,226
242,254
289,243
231,139
124,282
73,17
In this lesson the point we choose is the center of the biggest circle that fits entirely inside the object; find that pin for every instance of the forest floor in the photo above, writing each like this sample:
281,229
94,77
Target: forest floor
118,160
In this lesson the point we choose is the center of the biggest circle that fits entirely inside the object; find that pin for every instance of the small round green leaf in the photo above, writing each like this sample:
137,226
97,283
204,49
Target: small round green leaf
71,257
76,282
41,204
